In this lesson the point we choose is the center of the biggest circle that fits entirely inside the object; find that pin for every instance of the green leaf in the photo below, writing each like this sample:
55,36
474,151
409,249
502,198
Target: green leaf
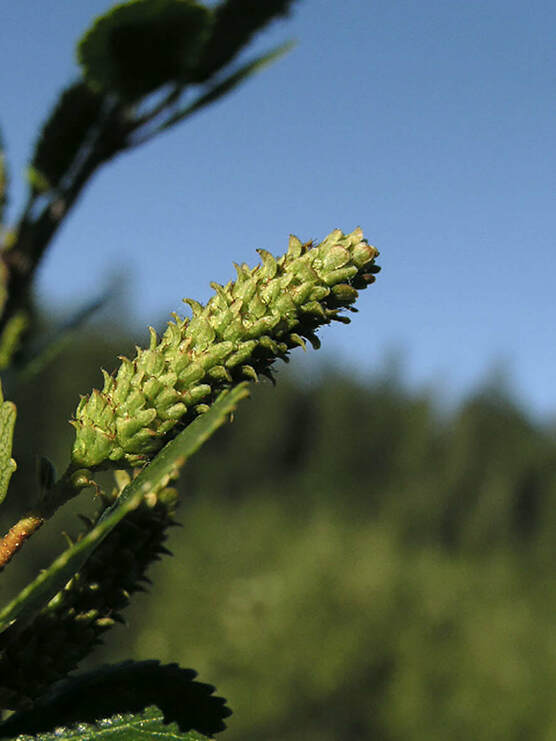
139,46
129,727
128,700
7,463
154,476
63,135
228,83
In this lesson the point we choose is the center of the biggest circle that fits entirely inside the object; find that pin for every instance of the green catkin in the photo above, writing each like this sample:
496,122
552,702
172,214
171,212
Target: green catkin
242,330
36,655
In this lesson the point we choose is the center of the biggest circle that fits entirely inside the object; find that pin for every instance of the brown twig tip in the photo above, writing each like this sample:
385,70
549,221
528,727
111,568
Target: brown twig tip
16,536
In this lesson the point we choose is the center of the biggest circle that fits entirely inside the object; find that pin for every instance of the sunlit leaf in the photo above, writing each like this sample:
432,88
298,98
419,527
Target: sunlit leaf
129,727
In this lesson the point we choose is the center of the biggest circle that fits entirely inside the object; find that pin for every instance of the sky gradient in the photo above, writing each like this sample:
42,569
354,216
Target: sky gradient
431,125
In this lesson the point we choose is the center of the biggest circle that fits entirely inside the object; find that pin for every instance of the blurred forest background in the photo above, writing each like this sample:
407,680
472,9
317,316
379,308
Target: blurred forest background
354,562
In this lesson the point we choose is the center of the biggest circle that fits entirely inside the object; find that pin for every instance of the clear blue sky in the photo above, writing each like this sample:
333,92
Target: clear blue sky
431,124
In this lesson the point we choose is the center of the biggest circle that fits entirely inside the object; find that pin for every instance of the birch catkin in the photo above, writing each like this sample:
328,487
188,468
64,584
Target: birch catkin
245,326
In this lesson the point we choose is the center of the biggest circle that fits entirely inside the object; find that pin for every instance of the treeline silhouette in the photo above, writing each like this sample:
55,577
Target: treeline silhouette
354,563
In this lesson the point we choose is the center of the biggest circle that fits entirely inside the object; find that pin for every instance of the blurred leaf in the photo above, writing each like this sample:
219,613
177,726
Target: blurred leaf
11,337
50,347
128,700
235,22
37,180
139,46
46,473
63,134
228,84
7,463
154,476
